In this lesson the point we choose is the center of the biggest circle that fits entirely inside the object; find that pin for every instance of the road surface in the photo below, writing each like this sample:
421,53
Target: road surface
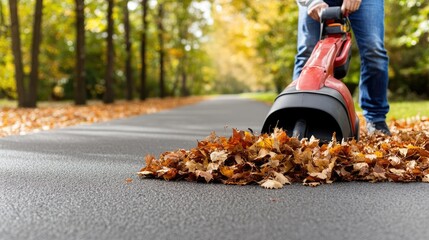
71,184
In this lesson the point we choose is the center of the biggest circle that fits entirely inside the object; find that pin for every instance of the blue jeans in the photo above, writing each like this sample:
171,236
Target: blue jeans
368,28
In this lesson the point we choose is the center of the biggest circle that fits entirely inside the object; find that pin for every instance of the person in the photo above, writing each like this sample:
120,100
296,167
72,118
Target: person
367,22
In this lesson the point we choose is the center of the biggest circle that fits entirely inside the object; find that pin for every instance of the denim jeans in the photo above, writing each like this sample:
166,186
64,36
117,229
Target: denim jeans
368,28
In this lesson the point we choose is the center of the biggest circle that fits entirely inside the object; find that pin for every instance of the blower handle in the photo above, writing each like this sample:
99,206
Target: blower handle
331,13
333,21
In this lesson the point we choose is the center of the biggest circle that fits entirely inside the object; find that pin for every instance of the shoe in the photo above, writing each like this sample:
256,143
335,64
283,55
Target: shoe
378,126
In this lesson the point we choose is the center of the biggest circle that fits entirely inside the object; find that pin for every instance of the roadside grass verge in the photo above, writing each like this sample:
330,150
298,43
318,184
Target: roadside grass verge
398,110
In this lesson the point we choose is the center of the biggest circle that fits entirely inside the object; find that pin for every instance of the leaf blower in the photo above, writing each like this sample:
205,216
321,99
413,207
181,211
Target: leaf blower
318,103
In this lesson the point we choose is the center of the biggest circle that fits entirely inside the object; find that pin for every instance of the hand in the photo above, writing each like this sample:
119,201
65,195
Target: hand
316,11
350,6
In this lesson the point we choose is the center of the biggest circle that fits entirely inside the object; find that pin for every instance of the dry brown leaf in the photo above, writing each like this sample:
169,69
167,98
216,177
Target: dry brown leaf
206,175
271,184
145,173
275,159
394,160
218,156
281,178
227,171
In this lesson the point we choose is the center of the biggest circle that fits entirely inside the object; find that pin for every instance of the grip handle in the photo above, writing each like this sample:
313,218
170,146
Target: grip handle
332,13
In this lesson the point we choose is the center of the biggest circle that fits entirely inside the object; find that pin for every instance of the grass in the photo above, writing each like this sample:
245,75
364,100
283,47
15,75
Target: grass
398,110
14,103
7,103
406,109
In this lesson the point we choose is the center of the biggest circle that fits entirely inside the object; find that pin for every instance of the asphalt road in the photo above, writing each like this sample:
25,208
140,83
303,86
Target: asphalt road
71,184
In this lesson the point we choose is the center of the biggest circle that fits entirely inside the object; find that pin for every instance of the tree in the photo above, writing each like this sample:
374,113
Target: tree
185,47
183,29
35,49
17,53
186,36
277,50
79,84
128,45
407,38
232,47
161,50
143,75
108,94
26,97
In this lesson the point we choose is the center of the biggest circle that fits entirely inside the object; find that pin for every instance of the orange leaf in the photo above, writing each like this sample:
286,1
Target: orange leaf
226,171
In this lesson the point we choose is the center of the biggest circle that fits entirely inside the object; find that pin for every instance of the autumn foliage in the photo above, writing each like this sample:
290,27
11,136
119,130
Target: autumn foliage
273,160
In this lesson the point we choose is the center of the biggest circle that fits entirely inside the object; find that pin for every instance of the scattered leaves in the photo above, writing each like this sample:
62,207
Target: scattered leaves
21,121
273,160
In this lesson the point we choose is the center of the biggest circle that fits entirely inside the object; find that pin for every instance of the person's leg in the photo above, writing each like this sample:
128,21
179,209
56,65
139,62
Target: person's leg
368,27
308,36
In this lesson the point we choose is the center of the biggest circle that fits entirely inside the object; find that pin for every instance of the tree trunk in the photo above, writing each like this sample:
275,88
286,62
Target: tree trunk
128,67
79,84
108,94
183,28
184,91
161,51
17,53
143,77
183,60
35,49
176,80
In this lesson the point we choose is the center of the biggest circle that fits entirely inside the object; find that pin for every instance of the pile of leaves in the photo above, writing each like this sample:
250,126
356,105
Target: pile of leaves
273,160
21,121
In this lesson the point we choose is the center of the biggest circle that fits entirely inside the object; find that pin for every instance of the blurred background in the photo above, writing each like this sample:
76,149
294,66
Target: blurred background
134,49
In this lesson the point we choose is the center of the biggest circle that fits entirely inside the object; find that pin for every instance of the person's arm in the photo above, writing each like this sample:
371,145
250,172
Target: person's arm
309,3
314,7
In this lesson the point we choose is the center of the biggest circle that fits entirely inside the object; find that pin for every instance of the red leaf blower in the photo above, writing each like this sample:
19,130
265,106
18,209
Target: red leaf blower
318,103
